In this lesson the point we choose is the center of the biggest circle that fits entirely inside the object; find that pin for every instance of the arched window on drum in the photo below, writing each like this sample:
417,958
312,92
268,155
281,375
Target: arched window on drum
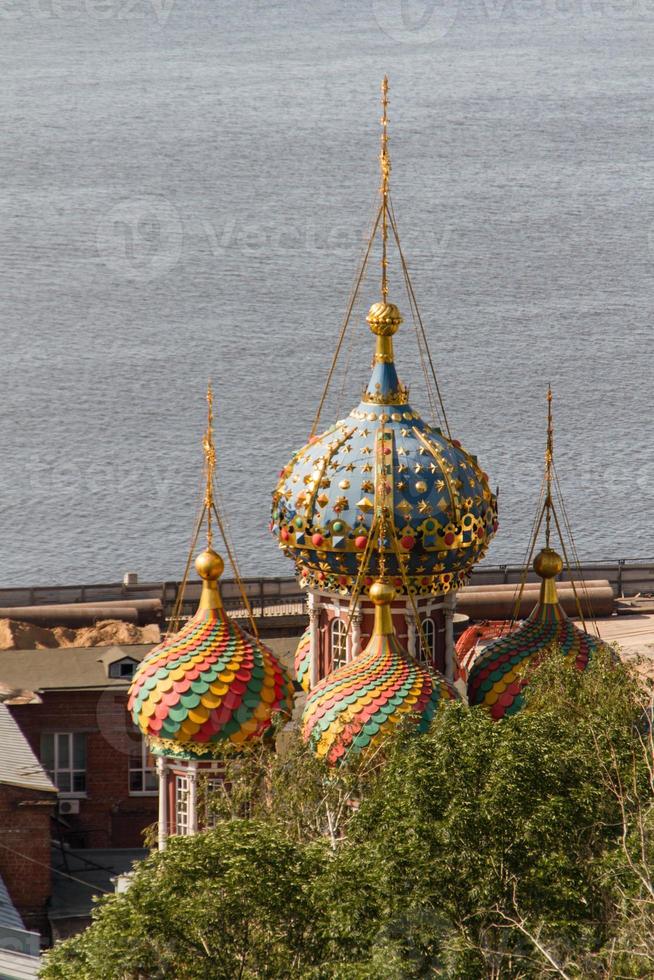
429,631
339,643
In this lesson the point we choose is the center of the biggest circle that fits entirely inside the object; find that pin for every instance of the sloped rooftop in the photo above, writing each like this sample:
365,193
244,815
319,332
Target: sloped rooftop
18,764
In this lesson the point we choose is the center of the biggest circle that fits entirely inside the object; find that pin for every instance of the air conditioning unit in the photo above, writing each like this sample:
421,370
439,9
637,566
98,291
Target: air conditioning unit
67,807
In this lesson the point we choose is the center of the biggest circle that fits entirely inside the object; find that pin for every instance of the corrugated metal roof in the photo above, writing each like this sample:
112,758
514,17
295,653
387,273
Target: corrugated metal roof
18,764
18,966
19,949
8,914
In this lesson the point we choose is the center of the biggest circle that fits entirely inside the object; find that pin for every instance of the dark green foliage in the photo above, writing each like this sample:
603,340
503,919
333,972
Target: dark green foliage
512,849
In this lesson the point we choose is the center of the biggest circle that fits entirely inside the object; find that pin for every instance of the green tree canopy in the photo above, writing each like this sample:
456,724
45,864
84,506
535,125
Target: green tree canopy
517,849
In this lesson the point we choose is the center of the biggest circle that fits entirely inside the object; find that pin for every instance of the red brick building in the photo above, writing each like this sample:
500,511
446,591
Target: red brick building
85,741
27,802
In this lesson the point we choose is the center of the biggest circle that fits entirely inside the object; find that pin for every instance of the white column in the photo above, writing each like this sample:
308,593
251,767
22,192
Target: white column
449,605
162,827
354,646
192,777
314,615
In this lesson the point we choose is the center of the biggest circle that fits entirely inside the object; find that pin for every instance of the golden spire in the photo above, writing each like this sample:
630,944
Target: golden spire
209,464
209,565
385,166
384,318
549,459
548,563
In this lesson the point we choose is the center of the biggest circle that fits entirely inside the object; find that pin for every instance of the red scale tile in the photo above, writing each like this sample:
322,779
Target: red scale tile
232,700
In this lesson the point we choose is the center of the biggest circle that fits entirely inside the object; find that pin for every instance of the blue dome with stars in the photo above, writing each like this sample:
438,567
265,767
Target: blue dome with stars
384,461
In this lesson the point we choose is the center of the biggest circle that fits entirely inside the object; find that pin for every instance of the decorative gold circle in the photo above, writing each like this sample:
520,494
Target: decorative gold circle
548,563
381,593
209,565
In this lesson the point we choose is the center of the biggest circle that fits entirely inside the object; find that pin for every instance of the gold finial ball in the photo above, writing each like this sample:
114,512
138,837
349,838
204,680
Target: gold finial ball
382,593
384,319
209,565
548,563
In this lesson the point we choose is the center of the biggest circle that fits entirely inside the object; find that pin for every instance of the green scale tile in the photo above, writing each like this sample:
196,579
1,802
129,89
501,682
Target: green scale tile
243,713
190,700
178,713
232,726
251,699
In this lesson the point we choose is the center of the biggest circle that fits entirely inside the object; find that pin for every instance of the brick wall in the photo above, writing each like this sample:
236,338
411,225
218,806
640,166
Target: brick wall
25,851
109,815
398,610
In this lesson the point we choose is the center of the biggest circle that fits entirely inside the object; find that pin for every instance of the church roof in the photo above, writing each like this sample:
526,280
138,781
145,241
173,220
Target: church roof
210,683
443,513
358,703
500,672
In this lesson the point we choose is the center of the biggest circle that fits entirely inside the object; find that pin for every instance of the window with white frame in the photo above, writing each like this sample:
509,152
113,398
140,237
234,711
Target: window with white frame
142,770
207,787
63,756
429,633
339,643
181,805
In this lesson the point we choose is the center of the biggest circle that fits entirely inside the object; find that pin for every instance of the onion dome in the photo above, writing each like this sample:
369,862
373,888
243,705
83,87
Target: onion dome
473,639
500,673
364,699
443,513
302,660
209,684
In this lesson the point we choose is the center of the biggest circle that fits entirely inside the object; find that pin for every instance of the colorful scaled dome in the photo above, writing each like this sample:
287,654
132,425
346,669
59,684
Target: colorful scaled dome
500,673
210,683
363,700
443,513
302,660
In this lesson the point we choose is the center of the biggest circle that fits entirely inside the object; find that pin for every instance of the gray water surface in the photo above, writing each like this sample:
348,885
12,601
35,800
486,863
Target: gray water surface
185,191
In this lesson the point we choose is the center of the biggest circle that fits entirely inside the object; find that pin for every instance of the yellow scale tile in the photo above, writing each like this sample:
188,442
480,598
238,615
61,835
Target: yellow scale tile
250,726
199,715
262,712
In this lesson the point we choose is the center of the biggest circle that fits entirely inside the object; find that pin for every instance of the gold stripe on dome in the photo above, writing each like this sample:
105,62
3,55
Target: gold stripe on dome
384,478
321,467
445,466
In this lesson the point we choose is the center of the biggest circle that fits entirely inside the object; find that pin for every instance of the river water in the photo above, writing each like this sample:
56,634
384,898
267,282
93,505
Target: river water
186,187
